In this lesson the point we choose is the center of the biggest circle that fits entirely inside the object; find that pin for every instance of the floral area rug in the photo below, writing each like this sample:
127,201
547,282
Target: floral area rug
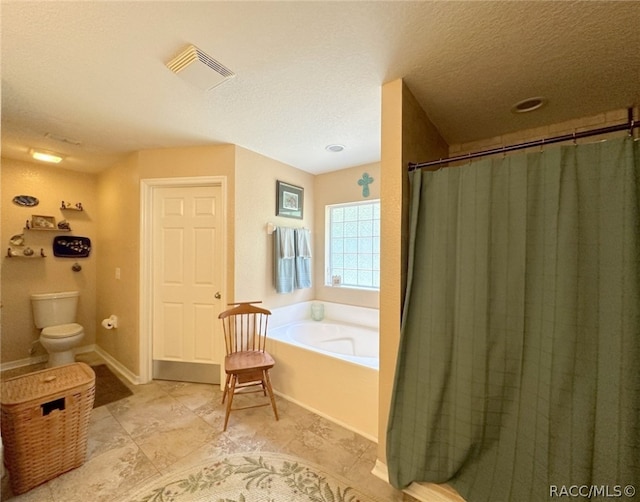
256,477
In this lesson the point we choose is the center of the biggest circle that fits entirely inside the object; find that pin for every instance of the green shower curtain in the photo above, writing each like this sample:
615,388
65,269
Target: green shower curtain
518,373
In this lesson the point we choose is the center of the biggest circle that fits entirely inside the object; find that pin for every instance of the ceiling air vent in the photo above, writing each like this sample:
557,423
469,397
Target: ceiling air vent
199,68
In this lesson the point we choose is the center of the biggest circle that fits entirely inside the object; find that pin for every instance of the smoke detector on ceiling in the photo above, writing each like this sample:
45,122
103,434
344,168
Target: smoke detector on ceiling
199,69
63,139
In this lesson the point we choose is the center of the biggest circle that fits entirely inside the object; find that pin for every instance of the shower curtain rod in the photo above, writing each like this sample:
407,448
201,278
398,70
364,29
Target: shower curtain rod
629,125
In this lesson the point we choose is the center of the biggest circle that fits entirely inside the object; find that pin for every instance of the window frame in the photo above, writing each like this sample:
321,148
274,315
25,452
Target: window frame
375,245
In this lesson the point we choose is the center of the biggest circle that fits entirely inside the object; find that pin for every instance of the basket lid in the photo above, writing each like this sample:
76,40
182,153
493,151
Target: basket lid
44,383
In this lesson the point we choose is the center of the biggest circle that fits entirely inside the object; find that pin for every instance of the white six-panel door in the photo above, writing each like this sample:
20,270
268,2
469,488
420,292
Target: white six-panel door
187,275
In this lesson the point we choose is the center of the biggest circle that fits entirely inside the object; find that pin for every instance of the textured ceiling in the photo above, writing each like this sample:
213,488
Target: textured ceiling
308,74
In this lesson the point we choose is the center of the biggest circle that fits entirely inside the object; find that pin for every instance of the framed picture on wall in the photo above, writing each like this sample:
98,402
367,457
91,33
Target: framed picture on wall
43,222
289,200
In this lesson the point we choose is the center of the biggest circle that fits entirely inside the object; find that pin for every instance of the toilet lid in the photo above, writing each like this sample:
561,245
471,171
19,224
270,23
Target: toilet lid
62,330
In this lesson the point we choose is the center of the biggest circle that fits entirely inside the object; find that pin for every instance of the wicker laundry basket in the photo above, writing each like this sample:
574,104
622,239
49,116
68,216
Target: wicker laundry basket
45,418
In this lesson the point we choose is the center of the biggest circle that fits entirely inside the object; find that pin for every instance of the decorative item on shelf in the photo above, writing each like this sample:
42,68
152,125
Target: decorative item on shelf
64,225
72,206
43,222
25,200
289,200
24,253
364,182
71,247
17,240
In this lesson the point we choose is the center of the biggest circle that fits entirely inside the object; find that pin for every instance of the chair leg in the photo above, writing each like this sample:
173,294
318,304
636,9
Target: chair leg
231,391
267,382
226,388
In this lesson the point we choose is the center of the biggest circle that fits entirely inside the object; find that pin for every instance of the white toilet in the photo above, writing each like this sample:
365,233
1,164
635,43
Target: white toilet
55,314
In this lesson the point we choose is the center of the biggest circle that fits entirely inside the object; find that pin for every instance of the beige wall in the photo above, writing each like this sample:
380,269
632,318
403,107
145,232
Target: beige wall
23,276
407,136
250,181
256,195
119,189
338,187
112,221
390,249
118,246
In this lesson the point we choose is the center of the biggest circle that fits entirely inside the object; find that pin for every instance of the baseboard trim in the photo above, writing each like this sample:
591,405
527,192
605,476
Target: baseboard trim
417,490
117,366
42,358
24,362
380,471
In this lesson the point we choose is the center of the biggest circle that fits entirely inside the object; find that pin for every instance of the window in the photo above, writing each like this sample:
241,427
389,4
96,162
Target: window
353,245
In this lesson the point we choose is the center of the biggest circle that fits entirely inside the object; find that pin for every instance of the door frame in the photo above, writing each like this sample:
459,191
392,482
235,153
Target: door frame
147,192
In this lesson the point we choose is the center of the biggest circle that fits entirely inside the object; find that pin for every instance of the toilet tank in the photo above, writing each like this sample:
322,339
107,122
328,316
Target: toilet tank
52,309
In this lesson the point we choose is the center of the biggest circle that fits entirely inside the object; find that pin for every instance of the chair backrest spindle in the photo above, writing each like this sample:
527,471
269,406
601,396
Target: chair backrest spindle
245,327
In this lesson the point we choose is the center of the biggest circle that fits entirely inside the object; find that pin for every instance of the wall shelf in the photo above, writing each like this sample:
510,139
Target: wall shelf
49,229
69,206
19,253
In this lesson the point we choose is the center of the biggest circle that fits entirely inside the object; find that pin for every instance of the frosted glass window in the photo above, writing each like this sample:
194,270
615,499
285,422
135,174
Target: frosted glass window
353,245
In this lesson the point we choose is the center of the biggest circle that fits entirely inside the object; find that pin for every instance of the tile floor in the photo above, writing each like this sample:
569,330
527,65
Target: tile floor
167,426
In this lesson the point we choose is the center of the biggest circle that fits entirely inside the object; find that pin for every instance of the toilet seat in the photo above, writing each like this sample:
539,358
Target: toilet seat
62,330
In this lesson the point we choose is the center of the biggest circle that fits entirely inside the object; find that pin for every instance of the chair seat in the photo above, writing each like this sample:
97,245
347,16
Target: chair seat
248,361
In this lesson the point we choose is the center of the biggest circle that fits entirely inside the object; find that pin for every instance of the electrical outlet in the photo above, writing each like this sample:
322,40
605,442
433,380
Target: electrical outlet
118,273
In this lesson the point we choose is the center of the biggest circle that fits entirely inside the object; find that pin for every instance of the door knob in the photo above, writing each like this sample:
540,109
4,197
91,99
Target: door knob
217,295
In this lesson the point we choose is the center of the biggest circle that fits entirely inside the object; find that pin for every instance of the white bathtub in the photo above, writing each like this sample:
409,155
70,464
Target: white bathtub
349,342
331,366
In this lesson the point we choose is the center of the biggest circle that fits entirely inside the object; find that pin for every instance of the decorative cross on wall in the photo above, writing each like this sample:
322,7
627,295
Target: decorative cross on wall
364,182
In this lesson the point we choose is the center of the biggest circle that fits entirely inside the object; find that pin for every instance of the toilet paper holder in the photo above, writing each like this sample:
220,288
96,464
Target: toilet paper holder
110,322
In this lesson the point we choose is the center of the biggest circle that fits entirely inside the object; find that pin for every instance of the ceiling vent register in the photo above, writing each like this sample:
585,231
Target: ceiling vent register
199,69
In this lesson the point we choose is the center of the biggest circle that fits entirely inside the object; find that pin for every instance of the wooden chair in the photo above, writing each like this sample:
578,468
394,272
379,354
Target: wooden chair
247,363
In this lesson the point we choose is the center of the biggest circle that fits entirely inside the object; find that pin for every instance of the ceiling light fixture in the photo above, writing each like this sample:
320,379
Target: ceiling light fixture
53,158
528,105
334,148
